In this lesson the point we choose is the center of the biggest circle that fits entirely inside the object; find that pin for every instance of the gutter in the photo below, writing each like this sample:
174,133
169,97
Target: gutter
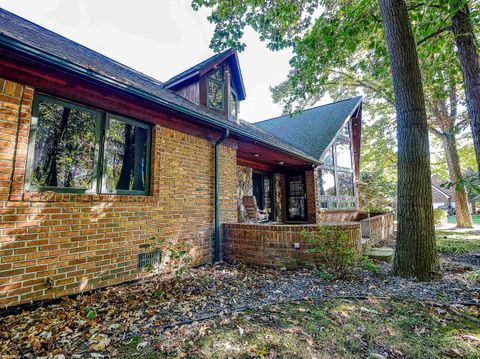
216,234
67,65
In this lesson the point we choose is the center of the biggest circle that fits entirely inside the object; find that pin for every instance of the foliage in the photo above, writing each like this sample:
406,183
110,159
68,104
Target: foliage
439,216
90,313
375,192
369,264
337,252
176,255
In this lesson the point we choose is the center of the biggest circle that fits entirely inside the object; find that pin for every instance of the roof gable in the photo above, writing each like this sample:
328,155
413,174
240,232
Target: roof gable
229,56
313,129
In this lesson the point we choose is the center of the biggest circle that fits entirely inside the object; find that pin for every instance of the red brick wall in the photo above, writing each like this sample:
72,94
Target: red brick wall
53,244
311,184
273,245
336,215
377,228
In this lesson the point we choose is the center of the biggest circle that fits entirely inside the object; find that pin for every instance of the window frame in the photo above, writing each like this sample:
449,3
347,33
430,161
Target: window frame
103,182
338,199
98,175
218,82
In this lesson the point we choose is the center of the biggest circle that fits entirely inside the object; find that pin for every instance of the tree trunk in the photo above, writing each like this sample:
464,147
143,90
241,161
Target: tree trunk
467,52
52,176
454,172
415,253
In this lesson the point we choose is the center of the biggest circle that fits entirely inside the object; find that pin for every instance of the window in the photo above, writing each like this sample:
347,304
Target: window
327,183
66,143
343,154
335,176
346,130
233,104
328,158
345,183
215,89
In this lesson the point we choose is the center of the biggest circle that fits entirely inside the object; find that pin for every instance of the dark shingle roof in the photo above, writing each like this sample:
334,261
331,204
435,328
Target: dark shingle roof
24,35
313,129
196,69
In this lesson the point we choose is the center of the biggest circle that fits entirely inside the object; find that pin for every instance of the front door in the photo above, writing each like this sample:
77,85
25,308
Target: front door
262,190
296,198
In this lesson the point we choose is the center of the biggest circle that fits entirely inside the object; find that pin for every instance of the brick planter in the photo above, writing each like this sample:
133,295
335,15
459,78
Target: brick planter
275,245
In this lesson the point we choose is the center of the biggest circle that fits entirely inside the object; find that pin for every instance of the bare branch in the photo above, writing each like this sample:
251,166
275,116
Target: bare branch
438,32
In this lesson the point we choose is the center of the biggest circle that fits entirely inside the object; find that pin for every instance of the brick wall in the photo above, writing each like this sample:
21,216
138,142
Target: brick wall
336,215
377,228
53,244
273,245
311,191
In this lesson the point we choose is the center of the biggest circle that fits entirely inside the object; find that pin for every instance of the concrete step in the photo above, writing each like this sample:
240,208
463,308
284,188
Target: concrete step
381,254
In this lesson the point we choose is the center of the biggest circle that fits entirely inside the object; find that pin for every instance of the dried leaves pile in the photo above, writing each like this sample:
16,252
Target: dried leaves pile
98,324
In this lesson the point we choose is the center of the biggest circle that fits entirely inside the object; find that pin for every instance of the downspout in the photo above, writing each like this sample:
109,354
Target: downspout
216,195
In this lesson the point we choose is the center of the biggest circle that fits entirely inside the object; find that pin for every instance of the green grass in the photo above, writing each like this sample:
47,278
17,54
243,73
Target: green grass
453,241
475,219
333,329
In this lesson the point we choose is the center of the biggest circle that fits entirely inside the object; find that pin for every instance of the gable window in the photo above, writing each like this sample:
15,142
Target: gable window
346,130
80,150
335,176
215,89
233,104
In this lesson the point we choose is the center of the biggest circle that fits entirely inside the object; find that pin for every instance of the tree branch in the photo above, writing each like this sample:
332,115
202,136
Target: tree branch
438,32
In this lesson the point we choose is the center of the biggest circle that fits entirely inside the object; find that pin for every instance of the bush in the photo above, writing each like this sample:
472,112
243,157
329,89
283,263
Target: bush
337,252
439,216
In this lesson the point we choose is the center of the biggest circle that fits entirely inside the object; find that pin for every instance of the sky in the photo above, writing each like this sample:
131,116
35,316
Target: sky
160,38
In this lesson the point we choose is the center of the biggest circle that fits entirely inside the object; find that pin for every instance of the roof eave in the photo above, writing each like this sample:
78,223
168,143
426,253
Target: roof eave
67,65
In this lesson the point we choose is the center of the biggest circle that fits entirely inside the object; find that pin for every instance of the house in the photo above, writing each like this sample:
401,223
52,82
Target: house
444,197
97,158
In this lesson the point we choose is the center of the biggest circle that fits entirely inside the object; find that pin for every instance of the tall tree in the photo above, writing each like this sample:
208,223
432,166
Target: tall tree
415,254
467,52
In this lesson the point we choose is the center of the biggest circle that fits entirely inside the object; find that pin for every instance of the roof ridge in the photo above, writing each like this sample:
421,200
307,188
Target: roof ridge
311,108
78,44
191,68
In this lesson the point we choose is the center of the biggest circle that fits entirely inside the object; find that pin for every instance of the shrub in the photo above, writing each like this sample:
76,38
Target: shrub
337,252
368,264
175,255
439,216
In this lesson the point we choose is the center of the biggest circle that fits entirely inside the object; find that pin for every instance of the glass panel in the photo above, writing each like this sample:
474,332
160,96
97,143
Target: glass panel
343,154
327,183
64,152
332,204
125,156
215,95
323,204
346,129
216,74
233,105
296,198
345,183
267,199
328,158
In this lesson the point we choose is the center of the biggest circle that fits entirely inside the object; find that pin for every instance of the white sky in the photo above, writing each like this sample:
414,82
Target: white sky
160,38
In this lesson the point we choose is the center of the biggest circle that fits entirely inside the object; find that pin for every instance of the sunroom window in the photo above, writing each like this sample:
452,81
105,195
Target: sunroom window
66,143
335,177
233,104
215,89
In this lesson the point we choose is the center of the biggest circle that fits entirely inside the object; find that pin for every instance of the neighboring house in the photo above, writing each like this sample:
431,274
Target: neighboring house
443,197
97,158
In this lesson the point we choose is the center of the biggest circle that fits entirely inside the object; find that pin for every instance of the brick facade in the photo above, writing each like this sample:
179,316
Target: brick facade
274,245
54,244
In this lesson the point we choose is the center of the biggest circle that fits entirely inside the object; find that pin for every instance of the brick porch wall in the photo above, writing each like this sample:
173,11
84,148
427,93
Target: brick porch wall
273,245
379,227
54,244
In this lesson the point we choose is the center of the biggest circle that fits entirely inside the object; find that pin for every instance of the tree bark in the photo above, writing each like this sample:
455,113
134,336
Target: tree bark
467,52
415,253
454,172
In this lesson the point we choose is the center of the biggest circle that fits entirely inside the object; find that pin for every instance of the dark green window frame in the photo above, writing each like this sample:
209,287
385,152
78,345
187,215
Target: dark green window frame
101,126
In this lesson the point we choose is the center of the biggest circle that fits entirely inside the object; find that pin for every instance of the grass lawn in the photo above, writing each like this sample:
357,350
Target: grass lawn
452,241
325,329
475,218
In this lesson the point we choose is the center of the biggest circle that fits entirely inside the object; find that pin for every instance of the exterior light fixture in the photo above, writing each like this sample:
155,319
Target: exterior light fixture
281,163
256,155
